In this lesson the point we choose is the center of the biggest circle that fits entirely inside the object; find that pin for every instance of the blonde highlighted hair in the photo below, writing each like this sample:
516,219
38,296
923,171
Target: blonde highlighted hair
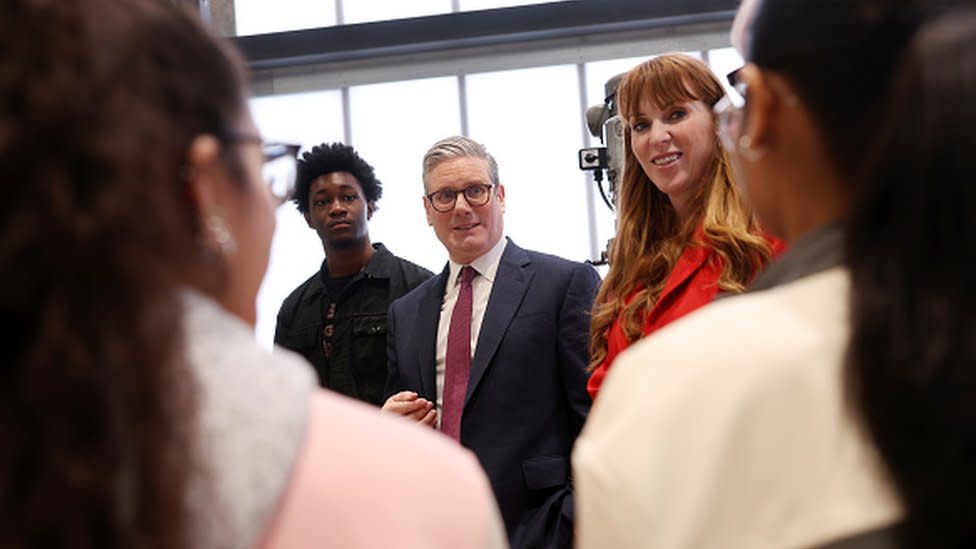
650,237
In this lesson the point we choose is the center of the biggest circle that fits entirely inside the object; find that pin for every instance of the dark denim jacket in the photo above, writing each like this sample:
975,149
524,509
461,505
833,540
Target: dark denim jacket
358,364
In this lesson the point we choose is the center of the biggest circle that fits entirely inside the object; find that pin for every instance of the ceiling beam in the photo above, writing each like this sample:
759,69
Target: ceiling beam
516,28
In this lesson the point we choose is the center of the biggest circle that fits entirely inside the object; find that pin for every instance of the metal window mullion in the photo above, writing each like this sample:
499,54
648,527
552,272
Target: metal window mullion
346,117
463,103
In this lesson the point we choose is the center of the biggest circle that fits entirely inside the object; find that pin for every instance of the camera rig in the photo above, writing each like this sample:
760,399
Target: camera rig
604,122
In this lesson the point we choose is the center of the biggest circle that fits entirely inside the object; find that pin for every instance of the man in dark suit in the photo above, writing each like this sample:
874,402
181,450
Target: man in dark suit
493,350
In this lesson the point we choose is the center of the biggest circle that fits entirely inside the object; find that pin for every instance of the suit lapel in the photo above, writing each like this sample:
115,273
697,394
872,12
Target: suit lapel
511,282
428,317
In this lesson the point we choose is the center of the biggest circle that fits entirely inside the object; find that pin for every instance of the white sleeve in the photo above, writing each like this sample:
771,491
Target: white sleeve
741,441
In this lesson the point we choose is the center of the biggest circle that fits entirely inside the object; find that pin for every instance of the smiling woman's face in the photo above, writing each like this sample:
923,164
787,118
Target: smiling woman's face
674,146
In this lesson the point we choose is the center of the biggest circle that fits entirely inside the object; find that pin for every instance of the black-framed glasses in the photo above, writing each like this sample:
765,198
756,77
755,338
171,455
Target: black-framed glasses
728,110
280,167
735,80
444,200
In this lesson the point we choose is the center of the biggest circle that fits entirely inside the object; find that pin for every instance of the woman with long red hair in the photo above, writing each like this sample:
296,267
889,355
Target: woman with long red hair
684,233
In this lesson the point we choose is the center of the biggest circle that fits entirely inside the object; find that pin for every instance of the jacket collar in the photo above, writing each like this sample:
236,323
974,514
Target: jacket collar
817,251
693,257
381,265
514,276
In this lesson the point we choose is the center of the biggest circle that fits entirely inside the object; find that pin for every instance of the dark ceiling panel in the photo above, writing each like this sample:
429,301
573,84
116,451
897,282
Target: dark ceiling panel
440,33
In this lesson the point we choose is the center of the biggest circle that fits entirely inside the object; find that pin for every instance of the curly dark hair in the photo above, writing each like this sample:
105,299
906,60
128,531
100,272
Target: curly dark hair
99,103
330,158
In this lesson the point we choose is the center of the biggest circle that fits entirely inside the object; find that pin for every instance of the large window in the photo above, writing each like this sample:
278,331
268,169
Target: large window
530,121
364,11
392,126
296,252
261,16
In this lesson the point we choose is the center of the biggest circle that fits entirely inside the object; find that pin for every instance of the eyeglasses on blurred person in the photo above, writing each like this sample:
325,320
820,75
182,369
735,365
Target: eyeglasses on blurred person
136,407
830,405
280,163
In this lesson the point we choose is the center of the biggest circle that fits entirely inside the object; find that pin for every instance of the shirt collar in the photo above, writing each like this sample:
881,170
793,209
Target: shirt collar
486,265
817,251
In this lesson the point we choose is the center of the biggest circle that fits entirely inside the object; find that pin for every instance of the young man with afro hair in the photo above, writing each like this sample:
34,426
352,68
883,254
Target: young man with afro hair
337,318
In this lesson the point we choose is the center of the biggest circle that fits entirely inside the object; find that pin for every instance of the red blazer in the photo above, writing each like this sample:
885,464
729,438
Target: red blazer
691,284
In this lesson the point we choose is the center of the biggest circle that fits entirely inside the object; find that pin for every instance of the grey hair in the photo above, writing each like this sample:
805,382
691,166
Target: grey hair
458,146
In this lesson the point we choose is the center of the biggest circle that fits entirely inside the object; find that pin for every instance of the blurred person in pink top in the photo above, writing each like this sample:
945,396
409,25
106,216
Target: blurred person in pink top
137,408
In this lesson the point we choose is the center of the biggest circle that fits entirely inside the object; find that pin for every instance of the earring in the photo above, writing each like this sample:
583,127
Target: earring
750,153
221,235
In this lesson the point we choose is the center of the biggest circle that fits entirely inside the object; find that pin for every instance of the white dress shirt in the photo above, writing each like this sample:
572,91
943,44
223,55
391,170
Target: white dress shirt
486,266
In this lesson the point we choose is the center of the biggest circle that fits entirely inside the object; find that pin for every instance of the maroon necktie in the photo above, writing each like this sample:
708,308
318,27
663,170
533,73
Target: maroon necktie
457,364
